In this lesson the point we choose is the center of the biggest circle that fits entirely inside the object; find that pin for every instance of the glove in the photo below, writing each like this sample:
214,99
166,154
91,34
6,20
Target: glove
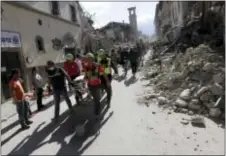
72,84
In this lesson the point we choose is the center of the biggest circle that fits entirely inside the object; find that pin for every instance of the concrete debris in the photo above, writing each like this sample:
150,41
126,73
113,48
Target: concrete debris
181,103
208,67
202,90
194,107
186,94
193,79
191,113
151,96
162,100
218,78
198,121
206,96
184,122
217,89
183,110
219,103
195,102
215,112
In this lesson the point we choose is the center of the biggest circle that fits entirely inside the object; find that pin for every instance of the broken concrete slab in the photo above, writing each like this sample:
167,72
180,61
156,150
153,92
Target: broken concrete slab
181,103
218,78
215,112
217,89
202,90
185,94
162,100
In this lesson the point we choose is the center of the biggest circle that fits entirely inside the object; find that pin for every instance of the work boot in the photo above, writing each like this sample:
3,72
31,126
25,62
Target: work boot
29,122
24,127
55,120
41,108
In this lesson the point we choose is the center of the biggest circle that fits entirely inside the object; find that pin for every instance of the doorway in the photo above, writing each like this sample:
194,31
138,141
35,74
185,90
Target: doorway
9,61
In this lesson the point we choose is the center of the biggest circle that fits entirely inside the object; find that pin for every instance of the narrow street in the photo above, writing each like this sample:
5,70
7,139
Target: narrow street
127,128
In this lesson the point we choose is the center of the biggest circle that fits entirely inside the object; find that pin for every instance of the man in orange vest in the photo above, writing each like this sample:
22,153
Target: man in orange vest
73,70
93,71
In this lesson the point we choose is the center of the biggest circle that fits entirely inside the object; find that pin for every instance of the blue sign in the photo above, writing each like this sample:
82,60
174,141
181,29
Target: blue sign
10,39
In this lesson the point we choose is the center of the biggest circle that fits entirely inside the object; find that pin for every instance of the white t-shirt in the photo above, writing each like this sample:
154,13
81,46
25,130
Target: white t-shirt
38,81
79,63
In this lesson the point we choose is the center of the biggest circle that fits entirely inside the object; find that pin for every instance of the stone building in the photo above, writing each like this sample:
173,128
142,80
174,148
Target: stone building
117,32
34,32
172,16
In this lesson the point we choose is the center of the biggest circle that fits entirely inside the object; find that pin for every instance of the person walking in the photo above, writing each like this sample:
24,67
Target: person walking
73,70
114,61
38,84
134,57
106,78
19,100
93,71
57,77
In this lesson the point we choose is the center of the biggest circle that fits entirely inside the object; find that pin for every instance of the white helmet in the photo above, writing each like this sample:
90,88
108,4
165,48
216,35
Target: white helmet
90,55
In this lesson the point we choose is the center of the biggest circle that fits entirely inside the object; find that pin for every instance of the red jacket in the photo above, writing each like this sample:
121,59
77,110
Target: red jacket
71,68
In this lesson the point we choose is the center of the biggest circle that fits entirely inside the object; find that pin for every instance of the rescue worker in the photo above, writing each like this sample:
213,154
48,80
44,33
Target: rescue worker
106,63
114,61
93,71
72,69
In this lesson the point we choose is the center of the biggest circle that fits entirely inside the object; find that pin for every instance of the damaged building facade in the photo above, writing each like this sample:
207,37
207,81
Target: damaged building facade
121,31
34,32
190,19
117,32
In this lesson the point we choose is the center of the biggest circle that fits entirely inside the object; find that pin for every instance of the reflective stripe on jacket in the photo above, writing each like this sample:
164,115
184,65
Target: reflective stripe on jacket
106,65
93,76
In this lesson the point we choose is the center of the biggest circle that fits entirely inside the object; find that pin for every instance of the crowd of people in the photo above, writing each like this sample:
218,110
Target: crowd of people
96,68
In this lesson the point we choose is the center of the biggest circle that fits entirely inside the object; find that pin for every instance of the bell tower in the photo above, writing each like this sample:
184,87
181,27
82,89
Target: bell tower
133,21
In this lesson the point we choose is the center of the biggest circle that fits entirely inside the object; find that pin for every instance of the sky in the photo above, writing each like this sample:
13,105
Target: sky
105,12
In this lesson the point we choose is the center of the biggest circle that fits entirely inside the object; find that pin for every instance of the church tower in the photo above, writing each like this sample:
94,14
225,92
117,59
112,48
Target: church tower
133,21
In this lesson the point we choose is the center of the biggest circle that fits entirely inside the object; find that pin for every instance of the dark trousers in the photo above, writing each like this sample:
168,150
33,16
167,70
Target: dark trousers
22,108
108,89
57,93
95,92
39,93
115,68
134,66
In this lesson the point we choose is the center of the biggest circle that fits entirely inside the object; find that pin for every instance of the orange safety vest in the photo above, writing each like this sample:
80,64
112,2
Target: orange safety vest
93,76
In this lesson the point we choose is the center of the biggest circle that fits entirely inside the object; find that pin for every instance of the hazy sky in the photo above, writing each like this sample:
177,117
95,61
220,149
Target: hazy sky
117,11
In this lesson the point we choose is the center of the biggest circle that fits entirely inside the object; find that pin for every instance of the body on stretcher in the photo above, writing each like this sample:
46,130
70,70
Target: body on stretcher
80,85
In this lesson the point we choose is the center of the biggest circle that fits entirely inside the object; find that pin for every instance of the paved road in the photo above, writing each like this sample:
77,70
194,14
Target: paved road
130,129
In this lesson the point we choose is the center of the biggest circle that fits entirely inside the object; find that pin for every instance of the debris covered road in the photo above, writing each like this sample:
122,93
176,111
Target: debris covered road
132,129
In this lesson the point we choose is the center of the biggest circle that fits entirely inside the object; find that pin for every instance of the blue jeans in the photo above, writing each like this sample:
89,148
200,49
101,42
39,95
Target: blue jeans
57,94
22,108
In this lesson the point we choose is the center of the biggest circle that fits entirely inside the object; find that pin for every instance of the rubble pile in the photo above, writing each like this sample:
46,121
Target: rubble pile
191,82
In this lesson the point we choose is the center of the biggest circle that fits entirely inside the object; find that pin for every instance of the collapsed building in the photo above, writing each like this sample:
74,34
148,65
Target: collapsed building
187,65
